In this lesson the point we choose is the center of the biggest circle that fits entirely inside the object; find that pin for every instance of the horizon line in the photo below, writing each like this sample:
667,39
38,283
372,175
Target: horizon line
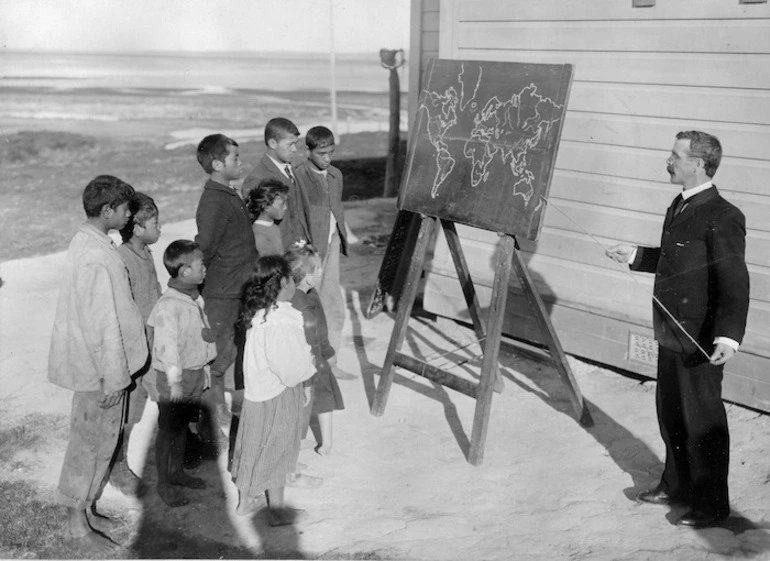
313,54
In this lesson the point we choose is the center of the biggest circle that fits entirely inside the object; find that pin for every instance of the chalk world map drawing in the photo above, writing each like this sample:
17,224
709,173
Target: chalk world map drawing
484,143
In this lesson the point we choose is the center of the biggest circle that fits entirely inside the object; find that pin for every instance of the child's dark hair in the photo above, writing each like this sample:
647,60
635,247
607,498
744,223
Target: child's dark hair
319,137
105,190
261,291
142,208
213,147
263,195
277,128
303,261
177,255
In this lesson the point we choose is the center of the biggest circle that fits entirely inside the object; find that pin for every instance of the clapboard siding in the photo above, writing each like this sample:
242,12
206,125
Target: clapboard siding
735,37
640,76
744,141
714,105
607,10
683,69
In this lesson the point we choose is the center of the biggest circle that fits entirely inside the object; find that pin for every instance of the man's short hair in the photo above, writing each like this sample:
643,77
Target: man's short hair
704,146
178,254
105,190
319,137
277,128
263,195
142,208
213,147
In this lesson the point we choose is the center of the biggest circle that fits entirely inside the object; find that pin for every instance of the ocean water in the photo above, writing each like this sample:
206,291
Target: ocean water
215,73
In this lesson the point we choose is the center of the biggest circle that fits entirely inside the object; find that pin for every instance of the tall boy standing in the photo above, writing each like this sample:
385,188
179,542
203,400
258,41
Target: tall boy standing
322,184
281,137
98,341
229,254
141,231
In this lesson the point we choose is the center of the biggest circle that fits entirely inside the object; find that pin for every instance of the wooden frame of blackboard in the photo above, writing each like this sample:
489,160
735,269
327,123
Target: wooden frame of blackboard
489,335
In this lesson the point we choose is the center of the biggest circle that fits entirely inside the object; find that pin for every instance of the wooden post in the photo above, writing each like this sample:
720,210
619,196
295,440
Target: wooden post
389,60
491,350
404,311
558,357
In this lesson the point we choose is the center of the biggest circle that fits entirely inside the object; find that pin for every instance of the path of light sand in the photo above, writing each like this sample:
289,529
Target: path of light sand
399,484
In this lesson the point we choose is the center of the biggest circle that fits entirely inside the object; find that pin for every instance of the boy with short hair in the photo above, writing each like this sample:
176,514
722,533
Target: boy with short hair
141,231
322,184
267,205
98,342
183,347
229,254
281,137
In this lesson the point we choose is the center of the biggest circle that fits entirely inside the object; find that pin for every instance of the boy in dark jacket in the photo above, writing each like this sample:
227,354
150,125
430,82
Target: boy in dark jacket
229,254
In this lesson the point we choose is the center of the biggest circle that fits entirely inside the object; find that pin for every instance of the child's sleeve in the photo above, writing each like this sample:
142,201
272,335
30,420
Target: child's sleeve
211,219
165,346
99,323
288,354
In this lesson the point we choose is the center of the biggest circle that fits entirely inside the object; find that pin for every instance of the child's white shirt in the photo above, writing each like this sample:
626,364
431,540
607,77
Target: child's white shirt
277,355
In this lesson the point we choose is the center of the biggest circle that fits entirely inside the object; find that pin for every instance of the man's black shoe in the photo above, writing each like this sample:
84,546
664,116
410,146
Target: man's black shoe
657,496
698,519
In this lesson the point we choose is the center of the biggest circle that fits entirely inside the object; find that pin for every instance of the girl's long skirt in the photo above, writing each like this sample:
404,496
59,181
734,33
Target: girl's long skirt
267,444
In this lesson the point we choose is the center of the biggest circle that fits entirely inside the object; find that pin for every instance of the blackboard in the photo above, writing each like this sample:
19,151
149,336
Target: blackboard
484,144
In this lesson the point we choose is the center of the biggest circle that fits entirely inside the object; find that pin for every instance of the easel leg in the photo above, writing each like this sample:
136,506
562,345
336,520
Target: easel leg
491,350
471,300
404,311
557,353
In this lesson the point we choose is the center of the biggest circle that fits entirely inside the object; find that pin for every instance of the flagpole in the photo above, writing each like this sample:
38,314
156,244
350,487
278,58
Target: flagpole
333,85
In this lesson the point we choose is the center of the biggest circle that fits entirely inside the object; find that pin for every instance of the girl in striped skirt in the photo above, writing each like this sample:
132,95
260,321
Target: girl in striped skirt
277,360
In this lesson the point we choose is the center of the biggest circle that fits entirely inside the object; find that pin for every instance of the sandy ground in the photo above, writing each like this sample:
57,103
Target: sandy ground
399,486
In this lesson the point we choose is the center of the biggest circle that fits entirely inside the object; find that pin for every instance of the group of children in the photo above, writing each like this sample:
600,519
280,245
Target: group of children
250,295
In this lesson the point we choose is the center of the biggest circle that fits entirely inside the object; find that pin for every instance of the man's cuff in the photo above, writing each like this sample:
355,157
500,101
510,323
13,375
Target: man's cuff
632,256
727,341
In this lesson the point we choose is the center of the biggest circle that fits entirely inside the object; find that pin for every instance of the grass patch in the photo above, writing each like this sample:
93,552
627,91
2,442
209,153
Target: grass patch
29,526
33,430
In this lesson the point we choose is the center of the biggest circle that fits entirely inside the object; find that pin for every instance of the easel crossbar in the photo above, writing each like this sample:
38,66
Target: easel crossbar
437,375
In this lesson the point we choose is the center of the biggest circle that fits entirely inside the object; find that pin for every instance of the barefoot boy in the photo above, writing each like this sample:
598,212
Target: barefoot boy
281,137
98,341
141,231
183,347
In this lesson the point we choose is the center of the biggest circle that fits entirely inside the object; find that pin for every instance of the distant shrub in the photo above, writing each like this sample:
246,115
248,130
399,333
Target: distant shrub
60,148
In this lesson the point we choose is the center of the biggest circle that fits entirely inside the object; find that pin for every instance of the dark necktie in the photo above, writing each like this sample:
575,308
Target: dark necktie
679,205
290,174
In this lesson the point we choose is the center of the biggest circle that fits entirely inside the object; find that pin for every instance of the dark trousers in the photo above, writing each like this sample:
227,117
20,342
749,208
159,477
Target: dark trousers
693,424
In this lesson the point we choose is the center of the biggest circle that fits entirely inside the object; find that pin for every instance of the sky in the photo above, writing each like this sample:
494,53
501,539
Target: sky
203,25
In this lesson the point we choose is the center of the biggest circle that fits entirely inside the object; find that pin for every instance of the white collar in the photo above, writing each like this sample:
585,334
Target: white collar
265,222
280,165
686,194
318,171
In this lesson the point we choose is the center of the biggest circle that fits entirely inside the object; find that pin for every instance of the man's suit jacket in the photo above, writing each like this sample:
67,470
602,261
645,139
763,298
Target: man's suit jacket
700,273
323,197
294,226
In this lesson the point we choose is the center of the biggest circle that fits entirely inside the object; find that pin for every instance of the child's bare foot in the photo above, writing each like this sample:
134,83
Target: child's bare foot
283,516
181,479
323,449
303,481
172,497
101,523
249,505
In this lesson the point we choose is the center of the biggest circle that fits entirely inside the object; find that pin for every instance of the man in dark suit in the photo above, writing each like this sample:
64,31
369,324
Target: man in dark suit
700,303
281,137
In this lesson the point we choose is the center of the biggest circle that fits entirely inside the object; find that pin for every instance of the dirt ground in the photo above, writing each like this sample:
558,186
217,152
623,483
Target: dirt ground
399,486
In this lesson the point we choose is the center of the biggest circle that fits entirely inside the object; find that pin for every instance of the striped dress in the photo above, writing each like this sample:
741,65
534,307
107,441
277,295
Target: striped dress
277,359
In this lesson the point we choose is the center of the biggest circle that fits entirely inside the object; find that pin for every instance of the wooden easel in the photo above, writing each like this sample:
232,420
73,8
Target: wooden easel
489,336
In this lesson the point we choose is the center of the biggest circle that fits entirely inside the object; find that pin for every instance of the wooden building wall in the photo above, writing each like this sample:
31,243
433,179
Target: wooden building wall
641,74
